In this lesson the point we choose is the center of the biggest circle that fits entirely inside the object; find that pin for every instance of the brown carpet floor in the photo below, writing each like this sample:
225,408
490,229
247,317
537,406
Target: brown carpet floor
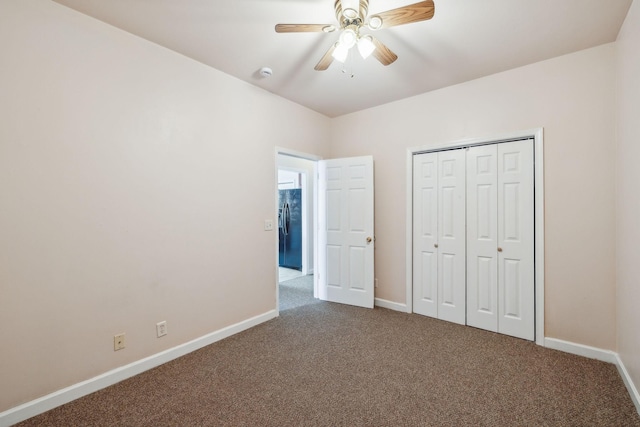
328,364
296,293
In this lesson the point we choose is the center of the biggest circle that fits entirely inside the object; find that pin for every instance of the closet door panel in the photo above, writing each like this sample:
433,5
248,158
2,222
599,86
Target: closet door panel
482,237
425,234
516,292
451,236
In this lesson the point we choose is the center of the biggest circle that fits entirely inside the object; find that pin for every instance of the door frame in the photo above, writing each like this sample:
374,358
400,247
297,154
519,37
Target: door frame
538,159
304,156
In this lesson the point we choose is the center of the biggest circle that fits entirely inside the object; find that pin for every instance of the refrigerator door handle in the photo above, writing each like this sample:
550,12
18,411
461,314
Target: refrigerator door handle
288,217
284,219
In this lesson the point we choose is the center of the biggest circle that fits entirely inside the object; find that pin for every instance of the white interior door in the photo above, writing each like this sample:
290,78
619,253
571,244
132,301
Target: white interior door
482,237
516,282
473,237
439,235
345,231
500,233
451,236
425,234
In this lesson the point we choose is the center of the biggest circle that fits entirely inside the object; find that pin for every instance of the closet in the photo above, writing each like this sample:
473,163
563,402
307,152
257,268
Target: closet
473,236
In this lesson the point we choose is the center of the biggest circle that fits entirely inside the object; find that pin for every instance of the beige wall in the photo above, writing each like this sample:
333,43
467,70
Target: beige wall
572,97
628,193
116,208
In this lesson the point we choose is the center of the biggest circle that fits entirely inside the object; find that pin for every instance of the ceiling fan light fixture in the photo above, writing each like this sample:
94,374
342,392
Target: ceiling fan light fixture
375,22
340,52
348,38
366,46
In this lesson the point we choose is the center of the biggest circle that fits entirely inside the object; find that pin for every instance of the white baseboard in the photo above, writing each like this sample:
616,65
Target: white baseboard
581,350
60,397
628,382
598,354
379,302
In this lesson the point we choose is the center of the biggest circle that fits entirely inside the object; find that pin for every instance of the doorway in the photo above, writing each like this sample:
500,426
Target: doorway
291,223
295,214
339,214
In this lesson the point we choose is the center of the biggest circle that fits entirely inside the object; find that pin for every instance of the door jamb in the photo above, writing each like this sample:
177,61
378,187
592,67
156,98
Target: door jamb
538,144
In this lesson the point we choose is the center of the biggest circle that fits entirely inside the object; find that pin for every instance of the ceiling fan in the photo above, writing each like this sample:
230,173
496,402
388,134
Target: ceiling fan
352,17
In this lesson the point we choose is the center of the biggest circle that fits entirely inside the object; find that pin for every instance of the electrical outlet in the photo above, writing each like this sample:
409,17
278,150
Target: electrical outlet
161,328
268,225
118,342
375,281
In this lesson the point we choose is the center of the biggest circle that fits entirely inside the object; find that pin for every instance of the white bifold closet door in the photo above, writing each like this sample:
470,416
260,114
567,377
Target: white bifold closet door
439,235
500,238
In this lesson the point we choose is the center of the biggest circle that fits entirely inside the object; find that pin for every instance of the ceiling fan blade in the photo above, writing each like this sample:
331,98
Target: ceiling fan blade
406,15
326,60
383,53
304,28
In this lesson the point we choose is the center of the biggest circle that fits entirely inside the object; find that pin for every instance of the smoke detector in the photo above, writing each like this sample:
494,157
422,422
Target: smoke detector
266,72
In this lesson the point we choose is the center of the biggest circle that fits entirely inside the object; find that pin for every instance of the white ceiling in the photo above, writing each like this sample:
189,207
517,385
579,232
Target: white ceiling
465,40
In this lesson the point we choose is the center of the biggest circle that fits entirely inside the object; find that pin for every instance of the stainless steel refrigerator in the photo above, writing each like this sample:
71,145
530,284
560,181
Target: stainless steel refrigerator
290,228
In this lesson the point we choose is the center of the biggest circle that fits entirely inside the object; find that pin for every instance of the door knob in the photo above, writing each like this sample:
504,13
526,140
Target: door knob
369,239
499,249
435,245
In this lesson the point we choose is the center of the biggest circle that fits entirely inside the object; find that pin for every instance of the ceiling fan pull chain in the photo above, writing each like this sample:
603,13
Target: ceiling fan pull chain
347,67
